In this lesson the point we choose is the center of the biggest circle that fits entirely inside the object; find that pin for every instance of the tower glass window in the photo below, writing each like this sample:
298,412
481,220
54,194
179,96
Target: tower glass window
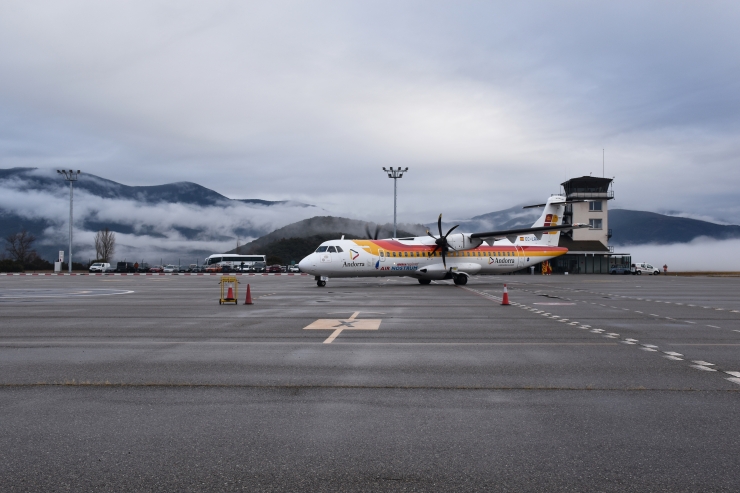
595,223
595,205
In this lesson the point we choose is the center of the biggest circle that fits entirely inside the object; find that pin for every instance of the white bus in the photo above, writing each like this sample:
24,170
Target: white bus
234,261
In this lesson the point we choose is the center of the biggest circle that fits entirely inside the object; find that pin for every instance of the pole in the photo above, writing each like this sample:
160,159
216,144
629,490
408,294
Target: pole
71,202
603,175
395,198
395,174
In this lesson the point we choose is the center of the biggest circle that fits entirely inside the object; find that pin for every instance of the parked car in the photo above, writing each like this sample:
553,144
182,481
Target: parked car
213,268
258,267
194,268
156,268
108,269
275,268
144,267
644,267
182,268
125,267
169,269
293,268
620,269
98,267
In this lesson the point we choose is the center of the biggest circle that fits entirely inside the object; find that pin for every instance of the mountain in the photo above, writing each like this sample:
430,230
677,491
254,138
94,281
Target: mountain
640,227
161,221
296,240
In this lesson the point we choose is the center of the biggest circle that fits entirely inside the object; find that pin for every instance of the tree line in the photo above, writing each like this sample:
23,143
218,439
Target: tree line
20,255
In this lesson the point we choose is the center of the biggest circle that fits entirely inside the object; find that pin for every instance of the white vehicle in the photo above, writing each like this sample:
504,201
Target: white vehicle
99,267
293,268
449,256
170,268
643,267
235,261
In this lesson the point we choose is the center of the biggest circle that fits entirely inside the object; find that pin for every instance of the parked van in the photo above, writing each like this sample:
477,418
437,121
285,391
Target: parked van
643,267
99,267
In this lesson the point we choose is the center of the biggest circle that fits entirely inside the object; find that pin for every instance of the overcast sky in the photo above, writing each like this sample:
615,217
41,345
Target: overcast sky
489,104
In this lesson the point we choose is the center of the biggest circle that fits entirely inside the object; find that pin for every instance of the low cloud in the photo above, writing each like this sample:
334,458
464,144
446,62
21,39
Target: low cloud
701,254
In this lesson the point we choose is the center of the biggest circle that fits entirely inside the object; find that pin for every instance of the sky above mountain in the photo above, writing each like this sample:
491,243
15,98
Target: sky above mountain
490,104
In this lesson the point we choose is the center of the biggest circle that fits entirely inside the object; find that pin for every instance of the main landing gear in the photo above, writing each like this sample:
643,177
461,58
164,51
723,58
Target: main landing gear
460,280
425,281
321,284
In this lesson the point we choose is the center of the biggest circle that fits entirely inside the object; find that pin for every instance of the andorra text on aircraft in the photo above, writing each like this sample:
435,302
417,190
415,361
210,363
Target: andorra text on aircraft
449,256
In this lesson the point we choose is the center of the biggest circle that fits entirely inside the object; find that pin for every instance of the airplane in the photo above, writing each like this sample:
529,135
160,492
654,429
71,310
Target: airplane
448,256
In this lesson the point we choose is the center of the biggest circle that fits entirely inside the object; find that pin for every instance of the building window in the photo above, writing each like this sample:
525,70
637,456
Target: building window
595,206
595,223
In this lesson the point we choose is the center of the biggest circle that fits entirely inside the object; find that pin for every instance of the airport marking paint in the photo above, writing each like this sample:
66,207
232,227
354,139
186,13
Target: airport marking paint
339,325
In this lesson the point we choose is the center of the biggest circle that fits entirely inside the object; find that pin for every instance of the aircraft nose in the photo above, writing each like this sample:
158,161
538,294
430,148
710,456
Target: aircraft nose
305,264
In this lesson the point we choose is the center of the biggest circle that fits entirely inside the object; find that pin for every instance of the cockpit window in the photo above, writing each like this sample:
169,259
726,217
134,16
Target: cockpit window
321,249
339,249
332,249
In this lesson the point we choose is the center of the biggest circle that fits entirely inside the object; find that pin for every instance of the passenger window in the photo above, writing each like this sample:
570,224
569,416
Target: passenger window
382,253
321,249
339,249
394,254
405,254
332,249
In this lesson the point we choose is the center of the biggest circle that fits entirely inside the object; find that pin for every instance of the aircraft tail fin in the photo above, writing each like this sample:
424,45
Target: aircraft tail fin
552,215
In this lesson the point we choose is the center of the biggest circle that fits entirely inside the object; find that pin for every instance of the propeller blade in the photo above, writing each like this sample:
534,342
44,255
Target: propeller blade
377,232
430,234
439,225
451,230
444,262
367,232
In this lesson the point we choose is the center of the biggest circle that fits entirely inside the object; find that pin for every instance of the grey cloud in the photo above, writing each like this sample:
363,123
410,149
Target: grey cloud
488,103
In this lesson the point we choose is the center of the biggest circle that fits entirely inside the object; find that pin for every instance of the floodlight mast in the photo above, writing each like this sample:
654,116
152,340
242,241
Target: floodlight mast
395,174
70,176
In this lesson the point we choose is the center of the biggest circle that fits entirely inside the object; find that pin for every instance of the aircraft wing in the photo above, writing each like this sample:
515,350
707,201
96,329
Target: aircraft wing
511,234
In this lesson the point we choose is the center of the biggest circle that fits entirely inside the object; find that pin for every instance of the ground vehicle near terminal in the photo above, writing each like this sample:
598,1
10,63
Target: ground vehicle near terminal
644,268
99,267
125,267
294,269
234,261
156,268
274,268
620,269
426,257
169,269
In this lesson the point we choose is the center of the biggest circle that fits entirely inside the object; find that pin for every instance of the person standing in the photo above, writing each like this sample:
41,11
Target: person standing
665,268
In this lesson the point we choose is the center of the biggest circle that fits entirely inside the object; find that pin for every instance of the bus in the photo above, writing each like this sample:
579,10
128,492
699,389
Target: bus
237,261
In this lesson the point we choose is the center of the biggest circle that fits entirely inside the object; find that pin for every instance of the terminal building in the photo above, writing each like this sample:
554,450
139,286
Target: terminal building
588,248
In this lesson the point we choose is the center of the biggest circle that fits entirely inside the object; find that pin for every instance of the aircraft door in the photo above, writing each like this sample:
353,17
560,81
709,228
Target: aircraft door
382,255
521,259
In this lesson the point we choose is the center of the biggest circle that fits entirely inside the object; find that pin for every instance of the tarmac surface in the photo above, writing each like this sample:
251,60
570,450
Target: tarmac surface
584,383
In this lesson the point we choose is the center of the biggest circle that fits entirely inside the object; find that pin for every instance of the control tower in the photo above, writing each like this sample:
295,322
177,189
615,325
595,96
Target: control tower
588,248
596,192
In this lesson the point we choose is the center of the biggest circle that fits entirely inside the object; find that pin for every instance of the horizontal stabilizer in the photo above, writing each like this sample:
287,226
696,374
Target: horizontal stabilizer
511,234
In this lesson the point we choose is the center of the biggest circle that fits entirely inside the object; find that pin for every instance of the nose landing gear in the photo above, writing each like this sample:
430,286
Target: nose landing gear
321,284
460,279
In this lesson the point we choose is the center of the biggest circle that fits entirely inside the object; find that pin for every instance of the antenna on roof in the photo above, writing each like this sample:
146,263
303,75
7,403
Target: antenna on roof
603,175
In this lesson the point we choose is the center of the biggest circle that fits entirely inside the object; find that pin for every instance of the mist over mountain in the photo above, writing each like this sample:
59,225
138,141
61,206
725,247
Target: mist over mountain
162,221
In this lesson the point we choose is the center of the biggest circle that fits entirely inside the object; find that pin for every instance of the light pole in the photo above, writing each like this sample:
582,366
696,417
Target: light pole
70,176
395,174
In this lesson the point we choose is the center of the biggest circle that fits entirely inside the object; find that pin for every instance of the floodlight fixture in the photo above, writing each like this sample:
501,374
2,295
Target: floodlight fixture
395,174
71,176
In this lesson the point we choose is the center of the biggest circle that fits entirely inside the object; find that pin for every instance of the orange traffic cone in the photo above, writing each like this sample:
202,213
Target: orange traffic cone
248,301
230,294
505,299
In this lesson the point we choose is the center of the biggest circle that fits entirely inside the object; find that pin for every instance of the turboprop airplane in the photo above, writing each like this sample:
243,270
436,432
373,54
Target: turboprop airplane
449,256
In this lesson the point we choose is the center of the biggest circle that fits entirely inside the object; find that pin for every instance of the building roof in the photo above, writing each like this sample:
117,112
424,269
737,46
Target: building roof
586,184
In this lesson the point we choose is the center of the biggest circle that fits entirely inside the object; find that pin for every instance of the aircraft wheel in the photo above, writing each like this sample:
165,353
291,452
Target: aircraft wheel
639,272
460,280
425,281
321,284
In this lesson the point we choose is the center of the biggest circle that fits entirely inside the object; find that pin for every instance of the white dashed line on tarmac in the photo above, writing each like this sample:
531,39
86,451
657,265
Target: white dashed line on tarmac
673,358
703,368
703,363
734,373
672,353
713,326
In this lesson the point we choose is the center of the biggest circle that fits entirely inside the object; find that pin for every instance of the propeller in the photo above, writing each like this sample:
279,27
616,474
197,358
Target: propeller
441,242
371,236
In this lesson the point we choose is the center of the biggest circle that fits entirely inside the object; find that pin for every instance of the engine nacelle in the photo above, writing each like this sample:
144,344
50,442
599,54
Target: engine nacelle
462,241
